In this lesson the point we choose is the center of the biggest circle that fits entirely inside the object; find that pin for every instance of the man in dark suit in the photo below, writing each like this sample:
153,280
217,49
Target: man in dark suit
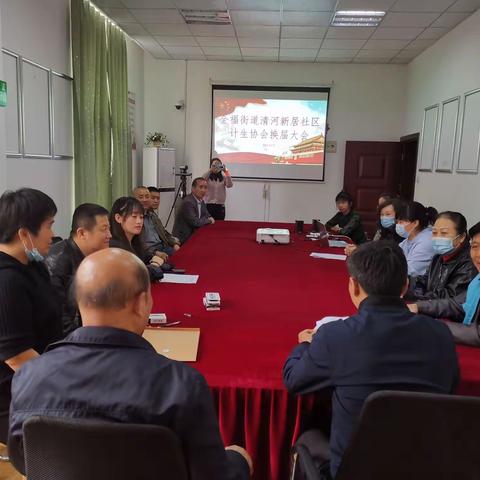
384,346
105,370
193,212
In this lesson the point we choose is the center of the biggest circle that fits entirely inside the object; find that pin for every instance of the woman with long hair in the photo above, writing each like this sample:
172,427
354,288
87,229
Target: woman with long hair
126,224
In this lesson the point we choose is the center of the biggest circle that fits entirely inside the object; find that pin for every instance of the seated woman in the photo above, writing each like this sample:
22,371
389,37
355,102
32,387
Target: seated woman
126,223
346,222
386,230
413,221
387,211
451,269
30,316
468,331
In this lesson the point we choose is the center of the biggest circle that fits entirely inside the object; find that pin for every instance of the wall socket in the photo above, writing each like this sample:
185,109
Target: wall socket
331,146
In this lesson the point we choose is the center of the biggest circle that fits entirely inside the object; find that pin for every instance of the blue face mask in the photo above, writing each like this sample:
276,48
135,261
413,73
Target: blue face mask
387,222
442,245
33,255
400,229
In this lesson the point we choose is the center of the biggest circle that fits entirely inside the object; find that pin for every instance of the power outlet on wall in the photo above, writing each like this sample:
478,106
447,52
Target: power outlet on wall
331,146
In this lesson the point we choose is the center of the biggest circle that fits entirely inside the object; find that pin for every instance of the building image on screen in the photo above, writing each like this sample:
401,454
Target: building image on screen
272,134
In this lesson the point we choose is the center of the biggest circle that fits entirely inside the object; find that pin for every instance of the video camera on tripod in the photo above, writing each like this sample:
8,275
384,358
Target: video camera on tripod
182,187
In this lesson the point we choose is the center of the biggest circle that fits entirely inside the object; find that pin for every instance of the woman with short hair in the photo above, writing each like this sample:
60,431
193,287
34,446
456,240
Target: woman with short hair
346,222
451,269
413,221
30,316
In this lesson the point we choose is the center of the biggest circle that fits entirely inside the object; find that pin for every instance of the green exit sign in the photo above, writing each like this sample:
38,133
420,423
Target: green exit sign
3,93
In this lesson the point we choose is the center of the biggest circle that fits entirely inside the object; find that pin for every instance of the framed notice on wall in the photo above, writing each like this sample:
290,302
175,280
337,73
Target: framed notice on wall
447,134
469,150
429,139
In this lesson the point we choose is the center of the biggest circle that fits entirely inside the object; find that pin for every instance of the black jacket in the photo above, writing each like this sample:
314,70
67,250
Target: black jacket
110,374
442,291
62,262
29,318
156,273
383,347
388,234
350,225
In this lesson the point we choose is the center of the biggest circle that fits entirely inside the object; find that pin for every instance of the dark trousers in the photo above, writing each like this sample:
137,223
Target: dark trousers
216,211
318,448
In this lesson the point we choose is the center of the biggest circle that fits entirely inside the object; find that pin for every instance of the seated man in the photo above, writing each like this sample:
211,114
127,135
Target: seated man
157,239
193,212
90,233
468,331
384,346
107,371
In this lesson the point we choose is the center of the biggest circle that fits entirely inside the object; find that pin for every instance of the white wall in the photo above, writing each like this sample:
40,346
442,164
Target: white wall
136,68
449,68
164,86
40,31
367,103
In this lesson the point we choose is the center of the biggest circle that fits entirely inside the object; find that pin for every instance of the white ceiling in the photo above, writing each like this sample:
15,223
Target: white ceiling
288,30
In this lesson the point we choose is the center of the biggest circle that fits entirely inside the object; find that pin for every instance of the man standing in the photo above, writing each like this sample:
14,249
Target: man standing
157,239
193,212
383,347
107,371
90,233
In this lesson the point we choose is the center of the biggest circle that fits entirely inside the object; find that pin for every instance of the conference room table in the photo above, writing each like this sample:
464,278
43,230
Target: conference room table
269,293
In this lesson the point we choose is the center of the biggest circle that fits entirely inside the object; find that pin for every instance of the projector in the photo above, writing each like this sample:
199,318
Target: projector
273,235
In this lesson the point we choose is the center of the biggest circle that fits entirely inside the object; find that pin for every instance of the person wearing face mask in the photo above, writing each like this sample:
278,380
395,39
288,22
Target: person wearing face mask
464,313
218,180
126,224
386,230
387,211
451,269
30,316
413,221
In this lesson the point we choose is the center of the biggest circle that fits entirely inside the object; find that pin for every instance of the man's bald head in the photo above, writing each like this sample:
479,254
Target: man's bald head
142,194
111,280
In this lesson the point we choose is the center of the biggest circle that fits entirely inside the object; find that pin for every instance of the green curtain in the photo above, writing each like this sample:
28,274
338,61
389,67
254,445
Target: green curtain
100,106
121,142
90,105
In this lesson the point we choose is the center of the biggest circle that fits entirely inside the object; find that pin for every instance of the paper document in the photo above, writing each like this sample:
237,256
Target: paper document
328,256
337,243
325,320
178,278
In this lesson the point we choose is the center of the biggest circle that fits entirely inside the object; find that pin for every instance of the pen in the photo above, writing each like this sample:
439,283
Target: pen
170,324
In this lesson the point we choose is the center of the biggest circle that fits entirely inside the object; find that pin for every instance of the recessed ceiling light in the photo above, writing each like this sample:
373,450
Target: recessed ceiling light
206,17
357,18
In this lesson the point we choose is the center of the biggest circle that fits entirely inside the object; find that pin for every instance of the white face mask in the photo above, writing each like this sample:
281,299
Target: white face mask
33,255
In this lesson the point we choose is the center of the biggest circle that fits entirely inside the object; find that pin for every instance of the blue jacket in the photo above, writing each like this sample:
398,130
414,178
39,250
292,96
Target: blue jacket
383,347
115,375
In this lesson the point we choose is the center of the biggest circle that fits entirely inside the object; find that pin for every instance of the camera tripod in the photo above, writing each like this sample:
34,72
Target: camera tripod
181,190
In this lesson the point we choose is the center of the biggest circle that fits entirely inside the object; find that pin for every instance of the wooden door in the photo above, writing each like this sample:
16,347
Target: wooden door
371,168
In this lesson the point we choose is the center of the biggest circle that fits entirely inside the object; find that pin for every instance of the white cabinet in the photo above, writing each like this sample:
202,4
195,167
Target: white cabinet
159,171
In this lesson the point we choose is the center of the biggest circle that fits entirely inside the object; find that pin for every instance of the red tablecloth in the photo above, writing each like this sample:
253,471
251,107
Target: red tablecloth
269,293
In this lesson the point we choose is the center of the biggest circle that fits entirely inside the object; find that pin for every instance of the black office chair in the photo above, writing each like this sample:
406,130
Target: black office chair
414,436
72,449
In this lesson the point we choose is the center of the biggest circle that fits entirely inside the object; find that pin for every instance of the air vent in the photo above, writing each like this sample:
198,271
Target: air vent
207,17
357,18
